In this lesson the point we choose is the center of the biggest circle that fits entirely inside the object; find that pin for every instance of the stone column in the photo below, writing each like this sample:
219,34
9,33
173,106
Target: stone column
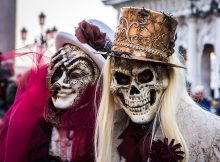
217,52
7,25
192,60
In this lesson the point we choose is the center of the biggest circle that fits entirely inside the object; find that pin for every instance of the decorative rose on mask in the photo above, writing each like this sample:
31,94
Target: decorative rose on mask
163,151
90,34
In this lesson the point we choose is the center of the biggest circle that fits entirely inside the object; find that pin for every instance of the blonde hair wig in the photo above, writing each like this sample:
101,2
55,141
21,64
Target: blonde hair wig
106,115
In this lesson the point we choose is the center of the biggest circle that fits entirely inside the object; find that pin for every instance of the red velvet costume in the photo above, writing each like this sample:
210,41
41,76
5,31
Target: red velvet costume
26,134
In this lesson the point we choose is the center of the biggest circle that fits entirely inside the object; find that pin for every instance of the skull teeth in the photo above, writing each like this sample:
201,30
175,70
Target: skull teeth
137,103
138,110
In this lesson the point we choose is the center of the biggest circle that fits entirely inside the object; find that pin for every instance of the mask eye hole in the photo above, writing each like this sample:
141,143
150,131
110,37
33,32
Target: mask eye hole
122,79
76,75
57,75
145,76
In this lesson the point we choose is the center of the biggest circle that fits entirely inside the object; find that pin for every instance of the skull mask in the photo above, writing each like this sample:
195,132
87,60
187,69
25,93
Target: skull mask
70,71
138,86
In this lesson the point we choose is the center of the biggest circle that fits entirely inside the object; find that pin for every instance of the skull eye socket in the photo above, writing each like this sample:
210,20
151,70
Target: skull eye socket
122,79
145,76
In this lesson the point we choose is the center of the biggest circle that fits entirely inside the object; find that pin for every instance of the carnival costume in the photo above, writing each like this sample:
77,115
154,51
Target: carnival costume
145,112
52,118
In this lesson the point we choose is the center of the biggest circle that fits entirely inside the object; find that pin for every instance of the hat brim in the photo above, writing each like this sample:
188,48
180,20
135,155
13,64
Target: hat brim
142,59
63,38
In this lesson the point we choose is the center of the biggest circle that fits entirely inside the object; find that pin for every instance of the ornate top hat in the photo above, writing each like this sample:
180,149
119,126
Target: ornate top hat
145,35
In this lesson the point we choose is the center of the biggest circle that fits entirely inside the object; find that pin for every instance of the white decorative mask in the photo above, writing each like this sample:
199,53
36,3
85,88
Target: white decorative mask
138,86
69,73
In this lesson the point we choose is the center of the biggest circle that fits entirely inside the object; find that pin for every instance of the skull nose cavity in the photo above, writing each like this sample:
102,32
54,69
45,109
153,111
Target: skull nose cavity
134,90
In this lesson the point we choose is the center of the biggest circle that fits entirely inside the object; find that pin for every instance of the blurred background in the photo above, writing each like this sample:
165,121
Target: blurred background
24,22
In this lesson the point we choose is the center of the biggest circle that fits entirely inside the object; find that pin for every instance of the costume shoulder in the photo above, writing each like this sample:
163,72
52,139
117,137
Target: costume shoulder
201,130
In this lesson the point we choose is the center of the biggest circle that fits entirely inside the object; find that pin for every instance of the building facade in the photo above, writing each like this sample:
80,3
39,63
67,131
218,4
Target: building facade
198,36
7,25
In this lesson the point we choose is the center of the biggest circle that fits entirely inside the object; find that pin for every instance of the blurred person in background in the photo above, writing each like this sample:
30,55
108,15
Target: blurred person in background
217,106
183,59
8,88
199,96
214,106
10,91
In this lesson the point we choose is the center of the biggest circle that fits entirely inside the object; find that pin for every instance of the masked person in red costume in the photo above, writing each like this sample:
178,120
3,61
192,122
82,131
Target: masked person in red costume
52,118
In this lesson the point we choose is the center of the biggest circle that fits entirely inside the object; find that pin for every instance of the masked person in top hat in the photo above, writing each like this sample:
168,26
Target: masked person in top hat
53,118
145,112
